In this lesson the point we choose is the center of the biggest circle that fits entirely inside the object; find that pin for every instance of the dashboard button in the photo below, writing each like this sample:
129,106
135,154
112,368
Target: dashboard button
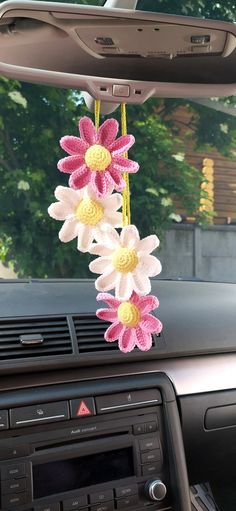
126,491
39,414
106,506
127,502
151,427
75,503
14,500
149,444
150,456
13,485
126,400
82,407
12,471
149,470
101,496
4,422
14,452
48,507
138,429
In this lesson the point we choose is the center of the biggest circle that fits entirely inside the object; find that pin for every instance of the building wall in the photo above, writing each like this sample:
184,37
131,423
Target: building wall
189,251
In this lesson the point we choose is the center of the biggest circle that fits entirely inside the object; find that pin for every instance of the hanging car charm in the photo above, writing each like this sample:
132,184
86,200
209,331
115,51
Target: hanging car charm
98,164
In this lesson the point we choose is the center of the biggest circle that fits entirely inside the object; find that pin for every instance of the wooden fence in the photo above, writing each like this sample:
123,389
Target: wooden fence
224,177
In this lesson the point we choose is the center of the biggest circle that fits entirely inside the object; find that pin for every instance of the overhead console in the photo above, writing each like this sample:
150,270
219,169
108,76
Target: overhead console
117,54
93,446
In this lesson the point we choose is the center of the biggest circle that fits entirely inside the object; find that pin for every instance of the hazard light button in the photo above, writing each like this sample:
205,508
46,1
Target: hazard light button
84,407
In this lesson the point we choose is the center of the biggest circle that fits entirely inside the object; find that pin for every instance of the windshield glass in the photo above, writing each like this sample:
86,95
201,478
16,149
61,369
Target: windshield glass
185,191
223,10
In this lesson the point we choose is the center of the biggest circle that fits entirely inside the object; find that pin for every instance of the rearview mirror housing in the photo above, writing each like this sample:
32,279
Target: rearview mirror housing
117,54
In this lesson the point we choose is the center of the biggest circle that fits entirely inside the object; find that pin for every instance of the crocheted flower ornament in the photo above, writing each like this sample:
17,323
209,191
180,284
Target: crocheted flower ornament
132,325
97,157
85,215
125,262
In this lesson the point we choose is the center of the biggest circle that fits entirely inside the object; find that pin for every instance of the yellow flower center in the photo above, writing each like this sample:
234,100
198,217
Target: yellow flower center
97,158
125,260
89,212
128,314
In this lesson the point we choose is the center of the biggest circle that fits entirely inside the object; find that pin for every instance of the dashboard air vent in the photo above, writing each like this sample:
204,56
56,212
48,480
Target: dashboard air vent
90,335
53,331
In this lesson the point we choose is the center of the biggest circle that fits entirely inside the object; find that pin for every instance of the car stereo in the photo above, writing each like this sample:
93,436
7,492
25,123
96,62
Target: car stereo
96,453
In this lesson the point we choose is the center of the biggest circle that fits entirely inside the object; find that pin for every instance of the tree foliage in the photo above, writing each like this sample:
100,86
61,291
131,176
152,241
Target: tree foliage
223,10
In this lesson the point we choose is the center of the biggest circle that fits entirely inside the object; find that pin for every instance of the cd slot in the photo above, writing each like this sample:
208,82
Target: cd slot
77,441
83,448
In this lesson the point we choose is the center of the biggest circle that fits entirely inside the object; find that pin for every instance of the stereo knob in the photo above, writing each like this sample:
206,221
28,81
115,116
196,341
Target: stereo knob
155,490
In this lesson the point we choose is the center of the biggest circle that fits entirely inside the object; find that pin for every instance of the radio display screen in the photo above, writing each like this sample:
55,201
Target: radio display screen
74,473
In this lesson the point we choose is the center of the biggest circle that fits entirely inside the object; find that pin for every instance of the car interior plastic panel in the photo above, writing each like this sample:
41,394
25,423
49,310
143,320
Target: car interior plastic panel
113,70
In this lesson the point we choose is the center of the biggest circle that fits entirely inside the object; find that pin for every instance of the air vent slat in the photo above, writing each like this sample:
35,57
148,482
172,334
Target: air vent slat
55,332
30,324
90,335
8,346
45,336
43,330
25,353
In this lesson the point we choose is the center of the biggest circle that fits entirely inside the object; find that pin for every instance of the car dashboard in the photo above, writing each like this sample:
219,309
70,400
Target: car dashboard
86,427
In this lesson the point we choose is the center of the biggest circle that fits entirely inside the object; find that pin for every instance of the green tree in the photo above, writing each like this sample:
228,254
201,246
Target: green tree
221,10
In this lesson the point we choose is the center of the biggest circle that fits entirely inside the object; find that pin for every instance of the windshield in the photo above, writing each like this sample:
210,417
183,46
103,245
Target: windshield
223,10
185,191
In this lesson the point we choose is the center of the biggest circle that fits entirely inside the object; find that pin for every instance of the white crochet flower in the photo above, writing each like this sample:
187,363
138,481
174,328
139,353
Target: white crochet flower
125,262
85,215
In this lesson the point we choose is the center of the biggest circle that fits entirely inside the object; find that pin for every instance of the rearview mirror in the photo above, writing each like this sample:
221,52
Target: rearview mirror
117,54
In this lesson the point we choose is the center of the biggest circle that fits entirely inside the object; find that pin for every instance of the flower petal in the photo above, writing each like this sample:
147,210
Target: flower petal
114,331
107,281
70,163
129,236
108,132
148,244
111,238
100,183
100,265
124,286
135,298
121,145
100,250
68,231
80,178
116,178
114,219
127,340
65,194
113,202
141,283
109,299
148,303
144,340
85,237
88,131
73,145
150,324
125,165
107,314
59,210
149,265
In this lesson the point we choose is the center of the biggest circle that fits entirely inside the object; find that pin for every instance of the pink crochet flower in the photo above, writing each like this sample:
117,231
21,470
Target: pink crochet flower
97,158
131,322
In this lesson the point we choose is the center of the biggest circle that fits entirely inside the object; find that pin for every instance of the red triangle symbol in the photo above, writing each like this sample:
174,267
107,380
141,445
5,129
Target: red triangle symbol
83,410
